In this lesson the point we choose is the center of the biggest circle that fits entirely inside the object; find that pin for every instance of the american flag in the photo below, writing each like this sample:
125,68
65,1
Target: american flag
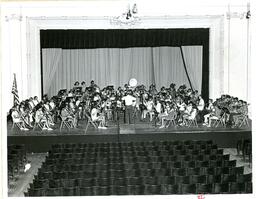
15,91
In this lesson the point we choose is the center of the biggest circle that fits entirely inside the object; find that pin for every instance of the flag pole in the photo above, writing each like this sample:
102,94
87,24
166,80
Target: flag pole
15,91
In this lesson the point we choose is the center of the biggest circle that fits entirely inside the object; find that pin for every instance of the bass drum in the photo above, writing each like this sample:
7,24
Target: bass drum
133,82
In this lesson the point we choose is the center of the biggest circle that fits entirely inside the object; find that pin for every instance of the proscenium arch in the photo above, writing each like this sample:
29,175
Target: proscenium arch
126,38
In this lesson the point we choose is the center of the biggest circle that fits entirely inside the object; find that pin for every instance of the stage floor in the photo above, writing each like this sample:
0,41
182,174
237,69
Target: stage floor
139,127
41,141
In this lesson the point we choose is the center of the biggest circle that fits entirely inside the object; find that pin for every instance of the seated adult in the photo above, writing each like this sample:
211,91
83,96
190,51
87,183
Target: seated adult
98,116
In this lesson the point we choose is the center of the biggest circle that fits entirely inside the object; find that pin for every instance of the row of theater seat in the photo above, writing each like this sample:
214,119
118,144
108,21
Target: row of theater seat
157,157
141,152
177,163
133,144
136,159
139,165
125,147
125,181
136,148
140,173
216,188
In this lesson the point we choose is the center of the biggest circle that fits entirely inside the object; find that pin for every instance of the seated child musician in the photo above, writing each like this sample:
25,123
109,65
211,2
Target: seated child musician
98,116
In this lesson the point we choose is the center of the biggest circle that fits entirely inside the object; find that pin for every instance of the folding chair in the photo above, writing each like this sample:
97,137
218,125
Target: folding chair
191,121
171,119
17,122
89,121
219,120
66,122
39,124
242,120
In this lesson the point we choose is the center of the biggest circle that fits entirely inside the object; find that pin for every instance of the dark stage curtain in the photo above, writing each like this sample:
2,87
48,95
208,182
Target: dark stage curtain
127,38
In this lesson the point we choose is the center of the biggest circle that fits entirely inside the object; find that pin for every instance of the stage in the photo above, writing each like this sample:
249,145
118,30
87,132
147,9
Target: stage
41,141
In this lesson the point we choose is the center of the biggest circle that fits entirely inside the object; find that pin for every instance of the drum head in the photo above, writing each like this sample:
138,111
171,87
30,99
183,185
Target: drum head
133,82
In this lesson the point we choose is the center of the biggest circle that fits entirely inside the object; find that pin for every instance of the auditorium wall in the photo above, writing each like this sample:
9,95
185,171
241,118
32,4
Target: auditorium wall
229,59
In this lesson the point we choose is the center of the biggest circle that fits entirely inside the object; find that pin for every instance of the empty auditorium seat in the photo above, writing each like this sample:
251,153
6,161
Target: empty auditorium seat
158,167
195,171
134,181
71,191
221,188
55,183
152,189
189,164
35,192
119,190
204,188
54,192
150,180
101,191
248,187
86,191
237,170
198,179
179,171
182,179
237,187
187,188
86,182
167,180
226,178
40,183
214,179
170,189
244,178
135,190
